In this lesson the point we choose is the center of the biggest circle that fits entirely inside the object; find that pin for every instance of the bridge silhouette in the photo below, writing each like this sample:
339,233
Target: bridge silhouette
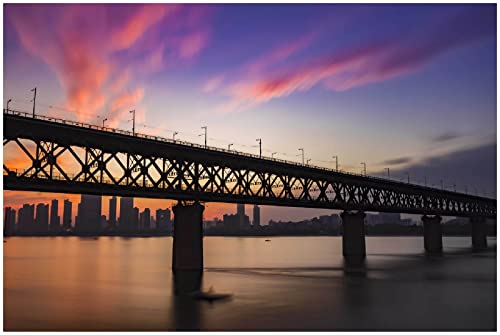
71,157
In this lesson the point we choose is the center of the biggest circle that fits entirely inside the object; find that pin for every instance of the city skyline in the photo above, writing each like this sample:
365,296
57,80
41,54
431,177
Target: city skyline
340,64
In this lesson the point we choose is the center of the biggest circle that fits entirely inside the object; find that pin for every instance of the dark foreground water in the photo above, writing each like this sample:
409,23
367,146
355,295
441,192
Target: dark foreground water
289,283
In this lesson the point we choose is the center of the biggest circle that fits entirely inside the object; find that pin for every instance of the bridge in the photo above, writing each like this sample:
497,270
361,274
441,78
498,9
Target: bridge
72,157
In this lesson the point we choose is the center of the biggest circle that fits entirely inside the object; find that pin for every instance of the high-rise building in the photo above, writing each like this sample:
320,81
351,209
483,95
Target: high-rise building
112,213
42,219
163,220
26,219
135,221
9,221
126,219
89,214
256,215
55,220
145,220
67,212
240,212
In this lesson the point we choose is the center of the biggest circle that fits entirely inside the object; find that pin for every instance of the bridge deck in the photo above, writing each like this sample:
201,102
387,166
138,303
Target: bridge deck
68,157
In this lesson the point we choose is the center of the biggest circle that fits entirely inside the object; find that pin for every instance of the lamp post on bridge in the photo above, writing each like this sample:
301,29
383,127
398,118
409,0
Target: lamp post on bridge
205,128
260,147
388,174
336,163
173,136
364,168
307,161
34,100
272,155
302,149
133,121
229,146
8,102
104,120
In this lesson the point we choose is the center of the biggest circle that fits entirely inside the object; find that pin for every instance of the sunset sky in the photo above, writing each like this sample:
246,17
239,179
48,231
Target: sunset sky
409,87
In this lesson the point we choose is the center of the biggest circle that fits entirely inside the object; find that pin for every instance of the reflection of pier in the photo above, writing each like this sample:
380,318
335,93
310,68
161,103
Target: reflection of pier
107,161
186,309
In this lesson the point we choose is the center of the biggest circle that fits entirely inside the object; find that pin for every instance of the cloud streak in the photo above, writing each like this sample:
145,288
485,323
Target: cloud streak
366,64
93,49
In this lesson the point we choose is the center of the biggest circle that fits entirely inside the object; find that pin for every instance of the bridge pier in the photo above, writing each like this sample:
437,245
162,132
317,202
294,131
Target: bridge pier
478,233
188,237
353,236
433,235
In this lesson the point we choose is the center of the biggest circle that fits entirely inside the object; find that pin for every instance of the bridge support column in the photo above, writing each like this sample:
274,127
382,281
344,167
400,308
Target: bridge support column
478,232
433,235
353,236
188,237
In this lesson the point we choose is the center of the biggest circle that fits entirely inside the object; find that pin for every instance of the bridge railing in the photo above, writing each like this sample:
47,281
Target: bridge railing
196,145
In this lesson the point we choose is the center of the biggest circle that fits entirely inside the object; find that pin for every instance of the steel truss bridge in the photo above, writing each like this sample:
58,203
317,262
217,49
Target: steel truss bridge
68,157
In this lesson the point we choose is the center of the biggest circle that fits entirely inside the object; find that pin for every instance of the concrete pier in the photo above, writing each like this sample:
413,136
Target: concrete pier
353,236
433,235
188,237
478,233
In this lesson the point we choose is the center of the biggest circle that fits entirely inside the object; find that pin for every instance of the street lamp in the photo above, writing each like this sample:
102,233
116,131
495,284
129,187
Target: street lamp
229,146
307,162
205,128
302,149
336,163
8,102
175,133
104,121
388,173
133,121
272,155
260,147
364,167
34,100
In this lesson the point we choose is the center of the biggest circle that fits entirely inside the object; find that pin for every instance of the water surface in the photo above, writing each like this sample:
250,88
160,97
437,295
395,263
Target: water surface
289,283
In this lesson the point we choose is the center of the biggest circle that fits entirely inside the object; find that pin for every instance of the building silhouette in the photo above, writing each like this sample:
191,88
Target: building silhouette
9,222
42,219
26,219
163,220
256,215
55,220
135,219
126,220
67,214
89,214
112,213
145,220
240,212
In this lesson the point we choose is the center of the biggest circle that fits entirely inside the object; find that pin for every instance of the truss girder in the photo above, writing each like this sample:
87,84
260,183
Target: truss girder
198,176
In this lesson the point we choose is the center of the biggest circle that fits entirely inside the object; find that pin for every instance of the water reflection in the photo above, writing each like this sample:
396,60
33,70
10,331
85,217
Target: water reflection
187,312
294,283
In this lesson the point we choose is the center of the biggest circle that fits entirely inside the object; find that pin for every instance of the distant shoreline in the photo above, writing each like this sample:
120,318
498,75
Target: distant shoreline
235,235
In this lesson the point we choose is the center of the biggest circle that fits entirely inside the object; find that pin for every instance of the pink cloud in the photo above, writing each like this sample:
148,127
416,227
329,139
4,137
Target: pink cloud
93,49
190,45
213,84
362,65
145,17
281,53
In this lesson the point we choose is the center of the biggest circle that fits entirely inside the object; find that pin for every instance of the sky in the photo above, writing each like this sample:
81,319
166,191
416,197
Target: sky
411,88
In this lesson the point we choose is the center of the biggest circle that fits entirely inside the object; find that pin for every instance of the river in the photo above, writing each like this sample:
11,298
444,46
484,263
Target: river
287,283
